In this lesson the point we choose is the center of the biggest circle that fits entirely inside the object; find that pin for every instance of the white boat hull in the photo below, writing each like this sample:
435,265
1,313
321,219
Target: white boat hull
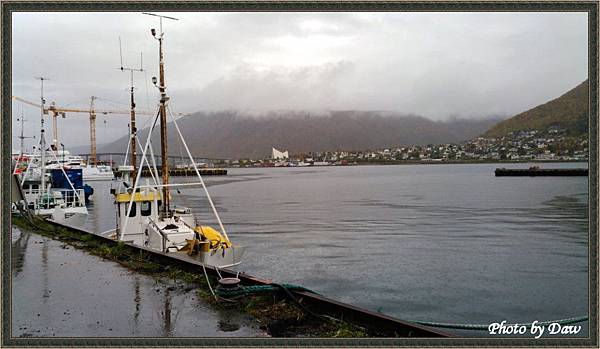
231,256
96,179
222,258
75,216
91,173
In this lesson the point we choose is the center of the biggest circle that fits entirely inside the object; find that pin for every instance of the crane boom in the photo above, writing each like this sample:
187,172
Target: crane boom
92,112
98,111
33,104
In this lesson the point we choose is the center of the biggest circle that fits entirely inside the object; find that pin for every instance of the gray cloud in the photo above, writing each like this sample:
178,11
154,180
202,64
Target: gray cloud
253,88
432,64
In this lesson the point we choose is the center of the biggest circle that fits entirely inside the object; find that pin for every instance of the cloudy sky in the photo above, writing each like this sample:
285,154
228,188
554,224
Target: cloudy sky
437,65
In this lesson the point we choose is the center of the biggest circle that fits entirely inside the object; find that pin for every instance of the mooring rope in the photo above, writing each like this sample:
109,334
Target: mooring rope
247,290
208,282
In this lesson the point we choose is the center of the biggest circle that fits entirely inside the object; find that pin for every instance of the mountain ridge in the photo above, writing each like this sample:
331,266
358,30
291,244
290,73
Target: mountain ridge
233,134
569,111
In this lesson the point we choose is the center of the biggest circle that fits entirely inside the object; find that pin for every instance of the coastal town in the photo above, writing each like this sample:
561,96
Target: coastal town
553,145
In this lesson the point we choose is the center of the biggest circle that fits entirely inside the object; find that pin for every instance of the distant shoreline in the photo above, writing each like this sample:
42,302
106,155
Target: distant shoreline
392,163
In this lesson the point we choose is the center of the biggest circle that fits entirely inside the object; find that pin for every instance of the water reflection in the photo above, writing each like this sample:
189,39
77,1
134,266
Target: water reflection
18,248
45,289
167,314
65,292
136,300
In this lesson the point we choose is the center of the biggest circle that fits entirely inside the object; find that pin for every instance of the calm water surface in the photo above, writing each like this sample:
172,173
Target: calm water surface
445,243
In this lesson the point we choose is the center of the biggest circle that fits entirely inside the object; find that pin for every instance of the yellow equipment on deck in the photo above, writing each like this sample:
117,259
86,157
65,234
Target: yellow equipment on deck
210,239
214,237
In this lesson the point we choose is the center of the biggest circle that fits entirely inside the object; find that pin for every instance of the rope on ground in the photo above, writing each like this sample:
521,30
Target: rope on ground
30,218
286,288
480,327
247,290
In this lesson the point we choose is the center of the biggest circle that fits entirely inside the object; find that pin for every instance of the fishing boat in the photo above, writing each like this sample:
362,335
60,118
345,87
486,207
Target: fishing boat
51,192
90,172
98,173
145,213
57,197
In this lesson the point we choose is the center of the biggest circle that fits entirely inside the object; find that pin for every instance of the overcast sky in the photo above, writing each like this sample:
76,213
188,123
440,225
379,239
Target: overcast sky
436,65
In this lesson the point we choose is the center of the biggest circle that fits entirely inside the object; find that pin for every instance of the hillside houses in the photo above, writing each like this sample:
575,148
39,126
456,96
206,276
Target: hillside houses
554,145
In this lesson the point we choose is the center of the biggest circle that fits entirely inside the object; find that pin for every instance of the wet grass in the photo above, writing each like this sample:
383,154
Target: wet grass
277,315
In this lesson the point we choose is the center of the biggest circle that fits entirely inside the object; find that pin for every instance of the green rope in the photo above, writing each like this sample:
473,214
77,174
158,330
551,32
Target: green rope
247,290
567,321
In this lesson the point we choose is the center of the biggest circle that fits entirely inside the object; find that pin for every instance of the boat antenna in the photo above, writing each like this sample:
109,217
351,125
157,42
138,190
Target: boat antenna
162,87
42,138
132,127
22,137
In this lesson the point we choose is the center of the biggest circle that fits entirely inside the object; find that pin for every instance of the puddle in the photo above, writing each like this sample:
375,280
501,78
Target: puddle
59,291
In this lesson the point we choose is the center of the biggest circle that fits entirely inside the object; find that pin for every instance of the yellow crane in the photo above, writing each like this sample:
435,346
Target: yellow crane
60,111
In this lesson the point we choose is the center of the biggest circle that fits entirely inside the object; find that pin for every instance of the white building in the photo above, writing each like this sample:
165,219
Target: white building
278,155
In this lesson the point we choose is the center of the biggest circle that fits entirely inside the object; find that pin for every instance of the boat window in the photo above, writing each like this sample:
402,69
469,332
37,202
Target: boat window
132,212
146,208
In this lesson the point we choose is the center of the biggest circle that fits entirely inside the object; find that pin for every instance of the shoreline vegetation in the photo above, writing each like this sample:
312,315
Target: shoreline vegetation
274,313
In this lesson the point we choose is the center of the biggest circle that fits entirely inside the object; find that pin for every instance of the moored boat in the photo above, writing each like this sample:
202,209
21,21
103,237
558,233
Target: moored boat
98,173
49,191
145,213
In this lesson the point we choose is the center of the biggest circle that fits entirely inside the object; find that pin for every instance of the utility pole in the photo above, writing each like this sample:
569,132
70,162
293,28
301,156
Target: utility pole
163,115
132,127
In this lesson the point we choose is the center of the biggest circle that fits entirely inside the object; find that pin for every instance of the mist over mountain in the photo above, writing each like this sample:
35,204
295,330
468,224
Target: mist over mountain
237,134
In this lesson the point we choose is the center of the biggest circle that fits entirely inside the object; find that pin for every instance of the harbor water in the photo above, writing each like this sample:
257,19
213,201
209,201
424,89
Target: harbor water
444,243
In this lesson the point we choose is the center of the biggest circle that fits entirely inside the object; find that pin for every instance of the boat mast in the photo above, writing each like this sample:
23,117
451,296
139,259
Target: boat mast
163,126
132,127
163,116
133,131
42,138
22,137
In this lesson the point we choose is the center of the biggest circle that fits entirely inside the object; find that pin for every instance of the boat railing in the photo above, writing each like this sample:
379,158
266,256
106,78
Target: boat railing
32,191
73,198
